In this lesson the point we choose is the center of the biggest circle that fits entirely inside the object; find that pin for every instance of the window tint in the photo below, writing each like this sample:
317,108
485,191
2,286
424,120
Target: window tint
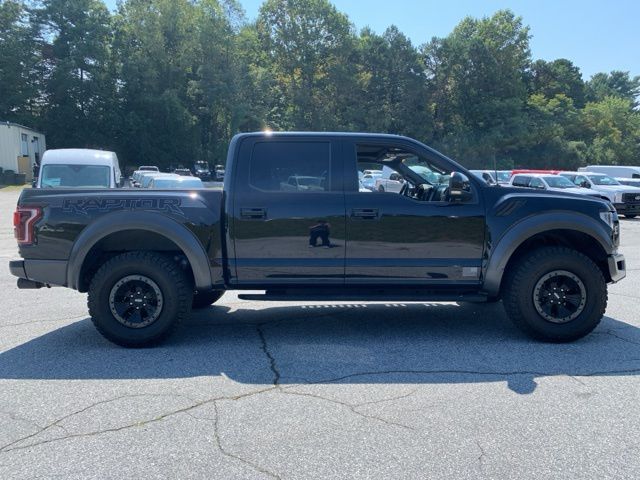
536,183
290,166
521,181
579,180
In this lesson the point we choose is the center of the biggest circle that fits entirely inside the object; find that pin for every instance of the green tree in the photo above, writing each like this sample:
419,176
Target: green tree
613,131
558,77
158,49
553,135
220,91
478,89
391,79
19,64
79,85
309,48
615,84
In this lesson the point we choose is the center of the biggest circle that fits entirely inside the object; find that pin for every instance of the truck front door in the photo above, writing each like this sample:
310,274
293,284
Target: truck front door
419,236
288,225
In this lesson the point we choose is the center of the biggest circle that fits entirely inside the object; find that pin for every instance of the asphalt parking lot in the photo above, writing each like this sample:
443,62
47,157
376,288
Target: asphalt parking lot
330,390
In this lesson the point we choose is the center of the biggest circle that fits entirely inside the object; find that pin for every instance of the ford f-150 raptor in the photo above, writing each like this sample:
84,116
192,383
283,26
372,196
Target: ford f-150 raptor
146,258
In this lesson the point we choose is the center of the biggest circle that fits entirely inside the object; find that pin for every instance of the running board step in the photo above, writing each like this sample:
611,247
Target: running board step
290,296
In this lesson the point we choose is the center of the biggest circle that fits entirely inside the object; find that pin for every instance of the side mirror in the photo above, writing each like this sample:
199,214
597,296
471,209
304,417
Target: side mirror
585,184
459,188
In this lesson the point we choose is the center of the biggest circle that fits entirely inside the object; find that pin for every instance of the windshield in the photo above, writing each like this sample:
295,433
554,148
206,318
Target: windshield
202,166
556,181
425,172
75,176
603,180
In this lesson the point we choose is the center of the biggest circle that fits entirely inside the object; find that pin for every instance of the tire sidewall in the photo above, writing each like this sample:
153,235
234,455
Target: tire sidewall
120,333
590,316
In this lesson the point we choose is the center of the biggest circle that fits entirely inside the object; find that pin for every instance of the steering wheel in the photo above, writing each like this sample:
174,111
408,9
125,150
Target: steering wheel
405,189
424,191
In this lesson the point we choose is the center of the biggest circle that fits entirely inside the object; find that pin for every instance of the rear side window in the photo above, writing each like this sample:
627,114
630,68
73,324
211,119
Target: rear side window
291,166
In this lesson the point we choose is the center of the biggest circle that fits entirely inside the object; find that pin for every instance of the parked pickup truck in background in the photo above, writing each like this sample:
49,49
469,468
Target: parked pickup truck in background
147,257
625,199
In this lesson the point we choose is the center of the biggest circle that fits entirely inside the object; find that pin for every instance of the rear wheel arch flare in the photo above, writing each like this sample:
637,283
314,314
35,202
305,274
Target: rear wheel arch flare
156,224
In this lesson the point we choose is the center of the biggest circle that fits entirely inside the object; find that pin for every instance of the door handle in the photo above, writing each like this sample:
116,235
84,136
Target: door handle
253,213
365,213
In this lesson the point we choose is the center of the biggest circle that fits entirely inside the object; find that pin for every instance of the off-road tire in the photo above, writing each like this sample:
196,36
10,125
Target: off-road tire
173,283
206,299
519,286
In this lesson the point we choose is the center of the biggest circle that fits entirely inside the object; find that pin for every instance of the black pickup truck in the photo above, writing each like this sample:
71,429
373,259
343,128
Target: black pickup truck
294,221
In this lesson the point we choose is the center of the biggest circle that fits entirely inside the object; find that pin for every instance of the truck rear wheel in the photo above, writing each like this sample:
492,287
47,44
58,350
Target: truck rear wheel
555,294
136,298
205,299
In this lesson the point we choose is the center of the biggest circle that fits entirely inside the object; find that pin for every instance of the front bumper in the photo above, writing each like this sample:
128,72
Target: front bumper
39,273
617,267
627,208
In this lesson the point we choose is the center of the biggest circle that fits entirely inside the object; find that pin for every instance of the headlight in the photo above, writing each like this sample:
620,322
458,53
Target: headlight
609,218
617,198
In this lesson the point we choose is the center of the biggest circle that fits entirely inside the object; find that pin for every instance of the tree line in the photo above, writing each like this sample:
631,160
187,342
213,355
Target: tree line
171,81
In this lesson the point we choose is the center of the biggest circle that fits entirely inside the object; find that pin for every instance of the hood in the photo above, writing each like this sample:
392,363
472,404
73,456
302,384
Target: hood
617,188
575,190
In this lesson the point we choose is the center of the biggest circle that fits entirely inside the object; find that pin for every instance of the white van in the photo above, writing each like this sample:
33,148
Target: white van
622,171
79,168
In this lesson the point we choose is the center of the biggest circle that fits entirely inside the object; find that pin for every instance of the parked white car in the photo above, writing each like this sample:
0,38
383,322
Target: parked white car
389,181
146,177
625,199
369,179
175,182
550,182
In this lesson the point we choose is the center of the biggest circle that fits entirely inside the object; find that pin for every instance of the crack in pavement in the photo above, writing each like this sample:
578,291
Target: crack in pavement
72,319
481,457
351,407
276,382
532,373
6,448
216,434
272,361
611,332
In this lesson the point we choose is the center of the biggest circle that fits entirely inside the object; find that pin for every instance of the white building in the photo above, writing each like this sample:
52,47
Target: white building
20,148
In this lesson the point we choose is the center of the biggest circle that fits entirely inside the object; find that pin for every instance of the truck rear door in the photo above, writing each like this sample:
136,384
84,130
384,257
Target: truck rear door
288,225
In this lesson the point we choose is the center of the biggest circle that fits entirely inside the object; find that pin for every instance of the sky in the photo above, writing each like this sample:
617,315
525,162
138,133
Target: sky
597,36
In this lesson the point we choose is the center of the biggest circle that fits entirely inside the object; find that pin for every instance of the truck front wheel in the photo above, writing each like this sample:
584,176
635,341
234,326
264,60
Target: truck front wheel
136,298
555,294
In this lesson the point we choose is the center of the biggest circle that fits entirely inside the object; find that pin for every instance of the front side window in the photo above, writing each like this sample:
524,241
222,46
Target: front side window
291,166
536,183
402,172
521,181
75,176
603,180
